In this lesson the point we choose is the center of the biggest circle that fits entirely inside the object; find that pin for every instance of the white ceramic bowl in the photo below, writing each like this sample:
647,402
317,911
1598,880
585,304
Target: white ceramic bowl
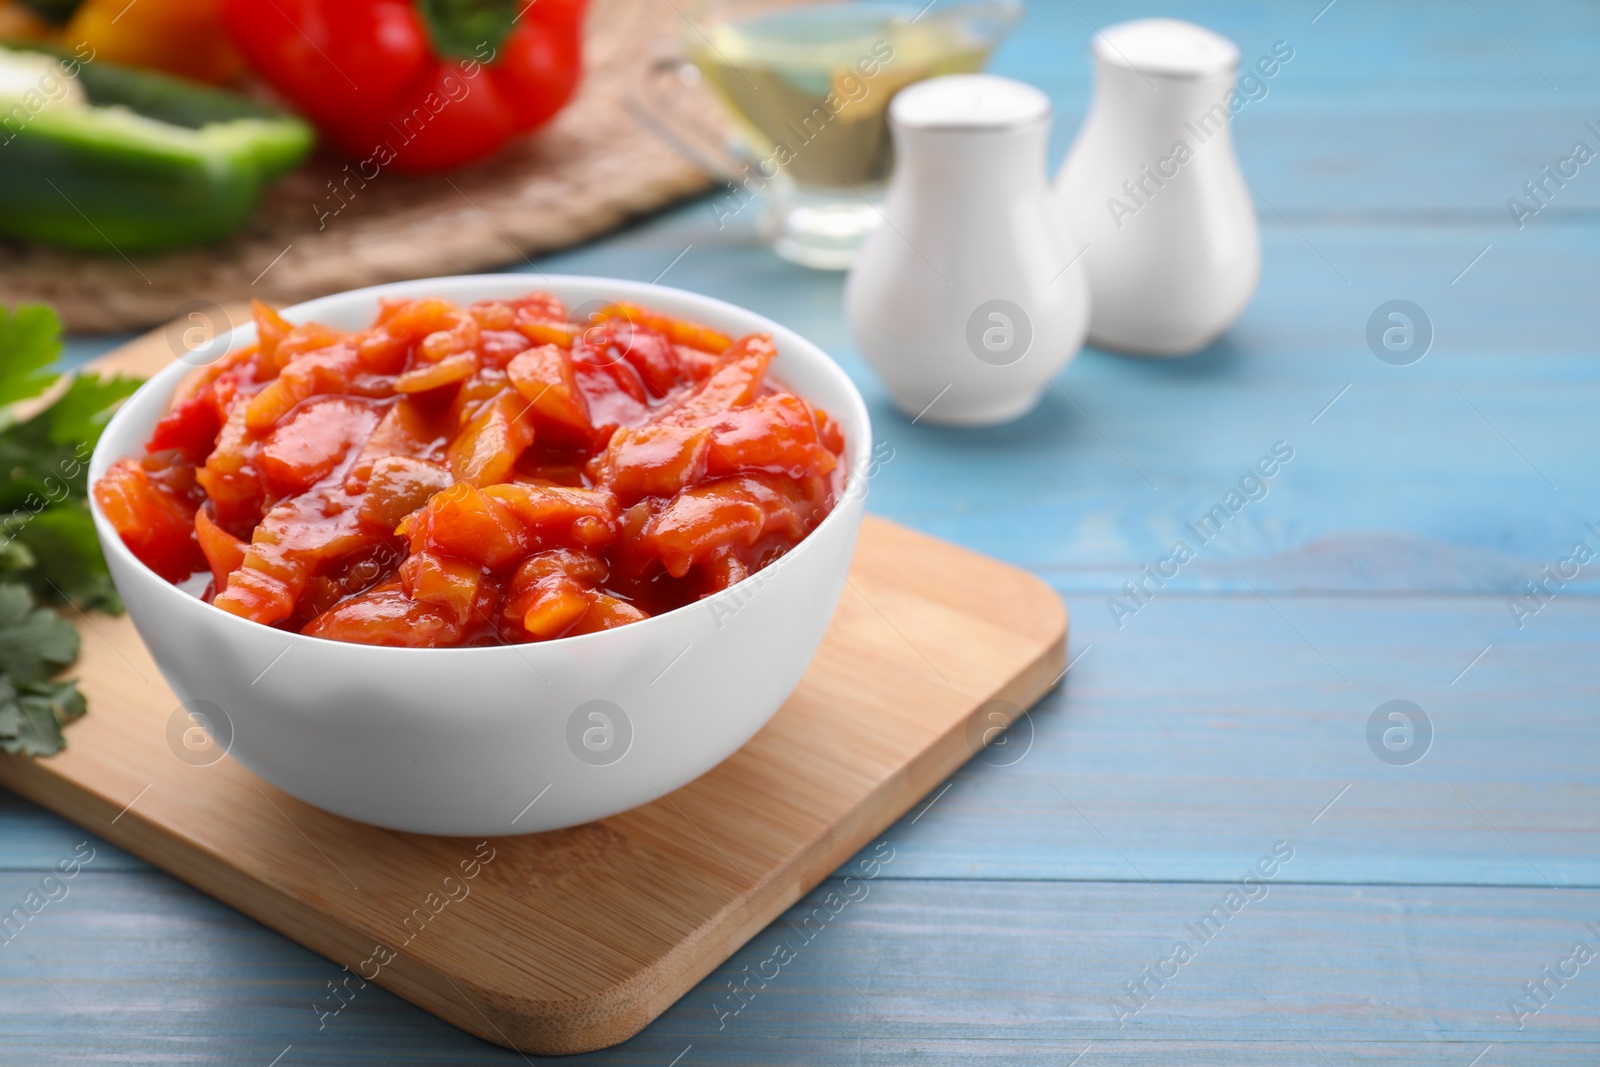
461,740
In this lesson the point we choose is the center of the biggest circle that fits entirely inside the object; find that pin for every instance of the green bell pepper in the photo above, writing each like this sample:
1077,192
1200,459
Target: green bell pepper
106,158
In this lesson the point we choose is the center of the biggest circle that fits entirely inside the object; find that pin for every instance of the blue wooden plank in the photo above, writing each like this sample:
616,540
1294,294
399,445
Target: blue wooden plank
998,972
79,349
1207,725
132,967
33,839
1438,50
1425,108
1035,966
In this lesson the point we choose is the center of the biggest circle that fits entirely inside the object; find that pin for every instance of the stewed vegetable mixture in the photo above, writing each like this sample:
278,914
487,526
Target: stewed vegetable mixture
495,473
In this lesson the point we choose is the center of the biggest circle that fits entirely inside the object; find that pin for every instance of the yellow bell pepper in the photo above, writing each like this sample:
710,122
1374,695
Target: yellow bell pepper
182,37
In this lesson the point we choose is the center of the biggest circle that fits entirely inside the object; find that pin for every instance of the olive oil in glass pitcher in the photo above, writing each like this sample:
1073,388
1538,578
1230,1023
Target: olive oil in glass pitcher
809,85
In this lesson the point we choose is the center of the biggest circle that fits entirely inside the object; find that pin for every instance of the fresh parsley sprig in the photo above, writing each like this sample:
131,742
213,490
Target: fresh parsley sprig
48,550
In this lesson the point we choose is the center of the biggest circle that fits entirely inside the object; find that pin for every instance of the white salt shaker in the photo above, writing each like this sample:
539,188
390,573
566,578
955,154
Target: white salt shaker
1153,188
968,300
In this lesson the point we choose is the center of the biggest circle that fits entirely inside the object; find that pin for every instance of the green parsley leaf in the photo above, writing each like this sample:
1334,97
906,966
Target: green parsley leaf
30,340
14,556
31,720
48,548
61,699
35,642
78,416
67,564
12,719
35,472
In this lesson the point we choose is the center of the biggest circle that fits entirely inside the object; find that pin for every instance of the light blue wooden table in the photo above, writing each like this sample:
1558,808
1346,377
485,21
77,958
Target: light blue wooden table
1227,716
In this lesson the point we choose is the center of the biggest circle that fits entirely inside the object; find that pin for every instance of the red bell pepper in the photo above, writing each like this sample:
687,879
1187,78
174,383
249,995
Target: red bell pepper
416,85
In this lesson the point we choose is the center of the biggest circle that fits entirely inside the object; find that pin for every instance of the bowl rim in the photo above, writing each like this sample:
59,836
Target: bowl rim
853,494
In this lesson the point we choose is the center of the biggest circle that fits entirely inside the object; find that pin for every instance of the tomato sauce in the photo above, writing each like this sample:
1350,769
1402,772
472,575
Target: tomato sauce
488,474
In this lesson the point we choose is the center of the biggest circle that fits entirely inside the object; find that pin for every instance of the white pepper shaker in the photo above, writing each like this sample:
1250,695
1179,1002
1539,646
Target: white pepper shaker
969,299
1153,187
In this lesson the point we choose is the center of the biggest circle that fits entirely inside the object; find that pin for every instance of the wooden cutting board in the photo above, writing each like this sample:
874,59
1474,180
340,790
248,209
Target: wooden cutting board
595,166
574,940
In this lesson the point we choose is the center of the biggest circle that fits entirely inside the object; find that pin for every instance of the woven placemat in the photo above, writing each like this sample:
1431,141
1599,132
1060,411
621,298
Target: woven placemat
591,169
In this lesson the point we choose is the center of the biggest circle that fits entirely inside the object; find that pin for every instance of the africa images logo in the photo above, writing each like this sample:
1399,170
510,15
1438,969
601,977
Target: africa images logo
599,732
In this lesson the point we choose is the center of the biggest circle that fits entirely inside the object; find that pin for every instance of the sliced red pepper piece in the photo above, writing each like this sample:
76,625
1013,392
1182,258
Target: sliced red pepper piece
387,616
656,460
399,485
554,514
488,449
409,428
443,581
679,331
734,382
306,447
605,613
545,378
326,370
464,522
776,434
291,543
192,425
223,551
156,524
